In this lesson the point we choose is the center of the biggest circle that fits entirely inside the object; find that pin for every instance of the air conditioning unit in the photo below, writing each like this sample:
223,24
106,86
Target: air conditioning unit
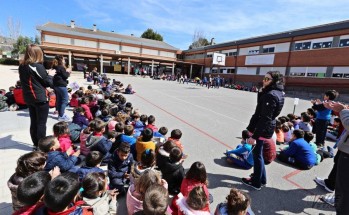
117,52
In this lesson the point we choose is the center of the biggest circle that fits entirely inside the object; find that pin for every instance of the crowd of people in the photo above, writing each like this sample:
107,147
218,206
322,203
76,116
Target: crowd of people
107,150
111,149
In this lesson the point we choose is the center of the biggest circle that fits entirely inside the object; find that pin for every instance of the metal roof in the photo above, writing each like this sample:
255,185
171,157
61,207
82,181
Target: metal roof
111,36
282,35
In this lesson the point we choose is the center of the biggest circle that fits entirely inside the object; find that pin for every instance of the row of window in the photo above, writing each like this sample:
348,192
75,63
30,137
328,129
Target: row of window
318,75
297,47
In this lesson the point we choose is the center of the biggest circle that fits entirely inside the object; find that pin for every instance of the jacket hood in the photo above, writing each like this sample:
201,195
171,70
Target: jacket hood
279,87
93,140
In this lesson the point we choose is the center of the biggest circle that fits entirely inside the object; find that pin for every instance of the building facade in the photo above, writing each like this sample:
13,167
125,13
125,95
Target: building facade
310,58
109,51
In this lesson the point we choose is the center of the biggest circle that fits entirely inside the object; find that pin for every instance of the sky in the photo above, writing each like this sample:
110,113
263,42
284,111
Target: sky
176,20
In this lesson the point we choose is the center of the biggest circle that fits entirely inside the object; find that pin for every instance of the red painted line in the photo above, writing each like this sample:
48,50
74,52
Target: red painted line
286,177
291,174
185,122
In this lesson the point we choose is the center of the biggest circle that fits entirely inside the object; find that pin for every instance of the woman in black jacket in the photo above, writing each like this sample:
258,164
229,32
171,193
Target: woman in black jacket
34,80
60,85
262,124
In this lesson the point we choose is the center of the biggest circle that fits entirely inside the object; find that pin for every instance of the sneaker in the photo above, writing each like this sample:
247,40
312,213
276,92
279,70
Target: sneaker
329,199
321,182
64,118
248,182
262,184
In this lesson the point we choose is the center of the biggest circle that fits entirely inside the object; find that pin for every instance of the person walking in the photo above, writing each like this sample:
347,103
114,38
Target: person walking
34,80
60,82
270,102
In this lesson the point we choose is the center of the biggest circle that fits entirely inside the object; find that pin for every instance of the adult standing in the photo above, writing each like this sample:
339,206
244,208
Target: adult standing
60,81
34,80
342,174
270,101
95,75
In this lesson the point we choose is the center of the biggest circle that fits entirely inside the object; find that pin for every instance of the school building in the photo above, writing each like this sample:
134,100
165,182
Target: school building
312,59
109,51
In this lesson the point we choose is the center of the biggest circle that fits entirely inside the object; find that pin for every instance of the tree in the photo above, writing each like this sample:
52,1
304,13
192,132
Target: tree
20,45
199,40
14,28
150,34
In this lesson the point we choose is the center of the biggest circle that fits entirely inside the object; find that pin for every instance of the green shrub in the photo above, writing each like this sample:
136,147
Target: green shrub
9,61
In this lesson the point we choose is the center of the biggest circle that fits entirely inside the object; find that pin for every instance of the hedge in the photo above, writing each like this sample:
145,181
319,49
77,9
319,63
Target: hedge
9,61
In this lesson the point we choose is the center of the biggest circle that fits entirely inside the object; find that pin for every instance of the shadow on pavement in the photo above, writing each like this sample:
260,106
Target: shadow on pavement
8,143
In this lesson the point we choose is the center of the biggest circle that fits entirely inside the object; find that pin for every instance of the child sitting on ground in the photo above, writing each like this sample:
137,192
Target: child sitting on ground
334,131
151,123
136,192
155,201
95,194
84,103
27,164
242,155
79,118
64,160
308,136
194,203
85,133
304,124
119,168
61,196
3,102
129,89
160,136
280,138
147,162
176,135
144,142
30,192
299,153
173,171
129,138
238,203
92,163
61,131
97,142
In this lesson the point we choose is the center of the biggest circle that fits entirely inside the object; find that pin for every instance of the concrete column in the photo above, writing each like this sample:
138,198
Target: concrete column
152,68
128,66
191,70
173,65
69,59
101,63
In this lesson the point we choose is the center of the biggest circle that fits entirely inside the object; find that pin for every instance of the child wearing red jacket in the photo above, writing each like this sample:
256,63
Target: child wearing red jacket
61,131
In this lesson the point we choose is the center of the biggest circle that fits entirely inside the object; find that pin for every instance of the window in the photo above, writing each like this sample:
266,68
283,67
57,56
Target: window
269,50
316,75
302,46
209,55
322,45
253,52
344,43
232,53
297,74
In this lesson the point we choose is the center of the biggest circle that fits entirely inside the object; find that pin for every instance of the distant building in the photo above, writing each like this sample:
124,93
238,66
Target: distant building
6,47
313,59
108,50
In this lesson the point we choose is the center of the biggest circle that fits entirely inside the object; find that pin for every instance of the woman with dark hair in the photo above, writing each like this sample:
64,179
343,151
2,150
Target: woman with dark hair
270,101
60,85
34,80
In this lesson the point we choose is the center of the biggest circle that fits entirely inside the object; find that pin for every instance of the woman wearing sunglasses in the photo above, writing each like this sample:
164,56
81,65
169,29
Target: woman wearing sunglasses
270,101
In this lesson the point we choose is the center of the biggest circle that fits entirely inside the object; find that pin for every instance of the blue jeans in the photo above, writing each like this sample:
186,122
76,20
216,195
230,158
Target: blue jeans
239,161
62,100
259,174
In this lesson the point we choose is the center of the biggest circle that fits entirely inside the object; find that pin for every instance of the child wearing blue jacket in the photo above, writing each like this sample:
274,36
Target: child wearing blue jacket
66,161
323,116
241,156
299,153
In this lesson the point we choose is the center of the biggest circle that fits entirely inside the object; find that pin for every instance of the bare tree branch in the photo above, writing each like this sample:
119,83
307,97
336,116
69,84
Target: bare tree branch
14,28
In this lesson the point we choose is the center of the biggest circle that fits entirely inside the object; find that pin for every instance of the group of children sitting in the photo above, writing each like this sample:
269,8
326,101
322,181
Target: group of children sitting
297,133
109,150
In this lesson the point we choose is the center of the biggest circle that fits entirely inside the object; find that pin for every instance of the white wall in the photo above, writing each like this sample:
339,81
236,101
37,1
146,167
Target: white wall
109,46
247,70
85,43
167,54
58,40
150,52
130,49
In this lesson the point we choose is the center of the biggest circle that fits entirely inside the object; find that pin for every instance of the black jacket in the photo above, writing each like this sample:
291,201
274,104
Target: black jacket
61,76
34,80
269,105
173,173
